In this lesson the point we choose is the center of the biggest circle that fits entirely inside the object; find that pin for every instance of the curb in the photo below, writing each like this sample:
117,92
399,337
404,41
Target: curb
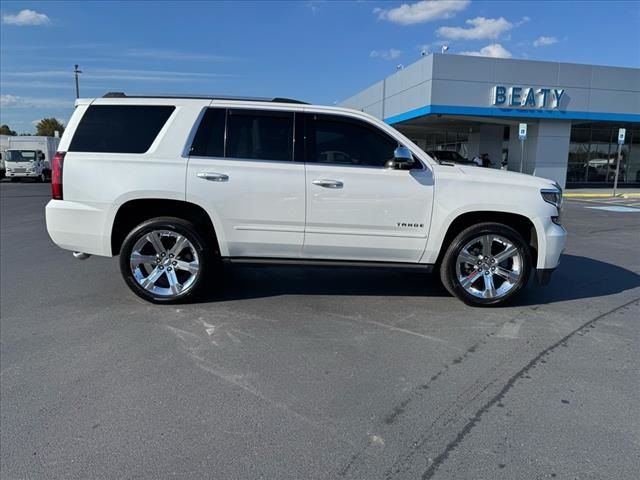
600,195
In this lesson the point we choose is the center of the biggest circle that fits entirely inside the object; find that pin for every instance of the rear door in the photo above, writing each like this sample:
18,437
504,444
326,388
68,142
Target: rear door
356,208
243,172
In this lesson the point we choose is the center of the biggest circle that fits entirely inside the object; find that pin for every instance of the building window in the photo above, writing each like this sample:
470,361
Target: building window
633,159
446,139
593,154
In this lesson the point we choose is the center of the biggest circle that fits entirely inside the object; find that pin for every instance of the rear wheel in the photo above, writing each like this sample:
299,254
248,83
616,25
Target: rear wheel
165,260
486,264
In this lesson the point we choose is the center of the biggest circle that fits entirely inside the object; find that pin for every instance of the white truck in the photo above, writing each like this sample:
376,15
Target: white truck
175,186
4,144
28,157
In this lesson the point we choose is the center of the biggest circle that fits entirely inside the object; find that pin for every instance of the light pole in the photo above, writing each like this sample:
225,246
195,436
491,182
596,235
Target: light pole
522,136
76,72
621,134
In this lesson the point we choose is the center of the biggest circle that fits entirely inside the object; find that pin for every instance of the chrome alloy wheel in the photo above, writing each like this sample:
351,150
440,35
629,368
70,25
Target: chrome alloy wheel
164,262
489,266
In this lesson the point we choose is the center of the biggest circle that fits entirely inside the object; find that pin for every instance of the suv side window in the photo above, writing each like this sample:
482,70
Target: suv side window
259,134
119,128
209,139
333,139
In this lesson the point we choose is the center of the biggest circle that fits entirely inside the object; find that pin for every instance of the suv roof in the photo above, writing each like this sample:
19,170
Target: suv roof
206,97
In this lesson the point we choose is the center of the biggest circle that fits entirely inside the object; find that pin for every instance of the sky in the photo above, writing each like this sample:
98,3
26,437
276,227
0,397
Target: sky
316,51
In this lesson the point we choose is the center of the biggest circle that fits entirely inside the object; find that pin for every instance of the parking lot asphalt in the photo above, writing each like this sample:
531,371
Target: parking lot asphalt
300,373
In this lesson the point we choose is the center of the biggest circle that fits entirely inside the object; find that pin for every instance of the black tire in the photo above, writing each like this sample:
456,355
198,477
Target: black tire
448,274
170,225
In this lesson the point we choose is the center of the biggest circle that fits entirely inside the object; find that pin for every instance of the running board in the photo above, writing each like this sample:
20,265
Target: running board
311,262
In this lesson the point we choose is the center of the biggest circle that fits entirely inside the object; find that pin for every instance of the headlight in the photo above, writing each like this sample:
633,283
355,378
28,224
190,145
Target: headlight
552,196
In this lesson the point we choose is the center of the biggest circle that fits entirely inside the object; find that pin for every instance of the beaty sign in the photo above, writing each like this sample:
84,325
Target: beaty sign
527,97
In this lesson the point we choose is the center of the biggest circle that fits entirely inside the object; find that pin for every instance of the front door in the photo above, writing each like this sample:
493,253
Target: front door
356,208
242,170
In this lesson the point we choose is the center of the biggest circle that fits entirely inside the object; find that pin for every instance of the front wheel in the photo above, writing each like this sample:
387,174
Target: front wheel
486,265
165,260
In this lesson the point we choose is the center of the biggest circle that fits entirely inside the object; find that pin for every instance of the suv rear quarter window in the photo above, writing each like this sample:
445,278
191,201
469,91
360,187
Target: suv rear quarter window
119,128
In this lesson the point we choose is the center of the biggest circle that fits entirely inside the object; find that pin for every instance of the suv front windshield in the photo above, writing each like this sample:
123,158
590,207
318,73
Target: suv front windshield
21,155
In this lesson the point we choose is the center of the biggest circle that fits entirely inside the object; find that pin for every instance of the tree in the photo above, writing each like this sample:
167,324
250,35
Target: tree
5,130
47,126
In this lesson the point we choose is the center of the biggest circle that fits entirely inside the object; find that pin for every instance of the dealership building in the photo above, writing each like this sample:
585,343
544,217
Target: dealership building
475,105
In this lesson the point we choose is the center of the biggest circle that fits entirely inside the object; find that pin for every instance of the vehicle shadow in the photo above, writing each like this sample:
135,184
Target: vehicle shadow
577,277
244,282
581,277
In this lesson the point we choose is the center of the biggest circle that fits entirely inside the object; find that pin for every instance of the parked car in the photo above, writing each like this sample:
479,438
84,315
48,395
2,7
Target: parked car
449,156
603,169
175,186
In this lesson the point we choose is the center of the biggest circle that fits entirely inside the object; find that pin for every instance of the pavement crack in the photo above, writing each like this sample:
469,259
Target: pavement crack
400,409
442,457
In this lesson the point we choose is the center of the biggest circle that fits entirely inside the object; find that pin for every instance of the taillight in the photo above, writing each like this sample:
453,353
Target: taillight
56,175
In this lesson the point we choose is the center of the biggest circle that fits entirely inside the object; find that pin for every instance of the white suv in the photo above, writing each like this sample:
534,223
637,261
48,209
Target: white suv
177,185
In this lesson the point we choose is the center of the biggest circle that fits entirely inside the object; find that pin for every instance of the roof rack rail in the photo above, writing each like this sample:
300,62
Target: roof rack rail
207,97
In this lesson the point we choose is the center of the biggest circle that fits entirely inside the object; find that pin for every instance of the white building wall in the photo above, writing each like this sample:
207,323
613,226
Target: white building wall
546,150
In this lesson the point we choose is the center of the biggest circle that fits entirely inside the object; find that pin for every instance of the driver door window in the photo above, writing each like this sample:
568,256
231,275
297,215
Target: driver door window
336,140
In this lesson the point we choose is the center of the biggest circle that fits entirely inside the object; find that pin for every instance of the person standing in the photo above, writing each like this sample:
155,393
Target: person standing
486,161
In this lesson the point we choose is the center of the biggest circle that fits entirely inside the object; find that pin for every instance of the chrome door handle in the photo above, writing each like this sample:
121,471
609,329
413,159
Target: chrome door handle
213,177
328,183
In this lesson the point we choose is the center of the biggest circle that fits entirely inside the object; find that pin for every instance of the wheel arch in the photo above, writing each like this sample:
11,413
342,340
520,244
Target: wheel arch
520,223
134,212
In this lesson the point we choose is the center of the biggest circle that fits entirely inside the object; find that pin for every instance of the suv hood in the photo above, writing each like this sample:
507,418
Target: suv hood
493,175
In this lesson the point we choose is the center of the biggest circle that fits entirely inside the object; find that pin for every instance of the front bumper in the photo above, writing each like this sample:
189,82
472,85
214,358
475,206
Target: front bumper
552,240
22,175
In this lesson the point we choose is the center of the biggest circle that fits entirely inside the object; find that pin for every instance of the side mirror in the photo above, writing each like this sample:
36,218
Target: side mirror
40,156
402,159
